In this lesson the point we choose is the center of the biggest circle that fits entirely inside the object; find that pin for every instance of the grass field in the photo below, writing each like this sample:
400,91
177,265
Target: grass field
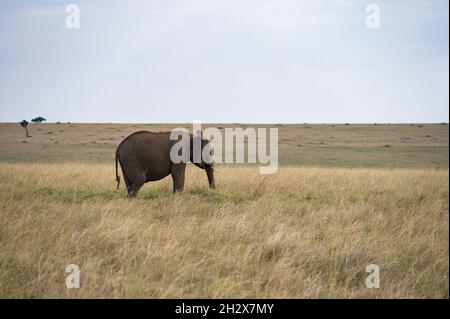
344,197
381,146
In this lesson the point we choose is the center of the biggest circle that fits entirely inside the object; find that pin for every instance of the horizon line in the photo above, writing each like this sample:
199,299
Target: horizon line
235,123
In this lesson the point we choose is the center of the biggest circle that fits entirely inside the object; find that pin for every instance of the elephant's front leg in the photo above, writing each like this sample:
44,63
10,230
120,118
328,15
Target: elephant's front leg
178,172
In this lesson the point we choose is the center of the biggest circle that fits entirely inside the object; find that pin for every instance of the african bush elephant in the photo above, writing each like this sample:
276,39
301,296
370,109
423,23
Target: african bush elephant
145,156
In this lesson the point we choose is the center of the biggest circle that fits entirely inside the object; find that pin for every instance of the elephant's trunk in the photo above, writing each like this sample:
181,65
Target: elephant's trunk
210,173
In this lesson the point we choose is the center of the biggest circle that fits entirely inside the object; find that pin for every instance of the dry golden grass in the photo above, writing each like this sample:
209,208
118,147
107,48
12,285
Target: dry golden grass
303,232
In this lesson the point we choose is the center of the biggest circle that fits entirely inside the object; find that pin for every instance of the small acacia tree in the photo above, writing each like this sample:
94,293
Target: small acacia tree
39,119
24,124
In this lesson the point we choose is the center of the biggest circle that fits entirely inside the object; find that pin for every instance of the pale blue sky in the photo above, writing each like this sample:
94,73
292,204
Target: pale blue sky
250,61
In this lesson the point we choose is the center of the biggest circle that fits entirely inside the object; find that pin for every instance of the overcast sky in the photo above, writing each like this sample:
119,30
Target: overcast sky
253,61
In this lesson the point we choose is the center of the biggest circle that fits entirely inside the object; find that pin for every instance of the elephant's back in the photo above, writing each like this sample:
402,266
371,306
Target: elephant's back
148,150
145,139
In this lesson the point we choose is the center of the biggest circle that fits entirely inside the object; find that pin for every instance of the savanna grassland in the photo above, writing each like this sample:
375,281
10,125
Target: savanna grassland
344,197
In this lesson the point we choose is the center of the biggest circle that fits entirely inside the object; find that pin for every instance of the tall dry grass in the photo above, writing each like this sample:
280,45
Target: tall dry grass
302,232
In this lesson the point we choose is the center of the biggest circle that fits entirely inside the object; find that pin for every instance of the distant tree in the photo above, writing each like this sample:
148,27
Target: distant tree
39,119
24,124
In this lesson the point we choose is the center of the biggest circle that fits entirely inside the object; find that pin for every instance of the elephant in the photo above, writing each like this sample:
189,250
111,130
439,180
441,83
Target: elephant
146,156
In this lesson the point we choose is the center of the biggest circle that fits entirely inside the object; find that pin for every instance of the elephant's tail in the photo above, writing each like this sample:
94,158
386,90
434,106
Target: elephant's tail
117,173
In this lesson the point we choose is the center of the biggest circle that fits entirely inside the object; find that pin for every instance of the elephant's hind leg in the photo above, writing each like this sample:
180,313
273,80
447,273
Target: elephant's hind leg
137,180
127,180
132,192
